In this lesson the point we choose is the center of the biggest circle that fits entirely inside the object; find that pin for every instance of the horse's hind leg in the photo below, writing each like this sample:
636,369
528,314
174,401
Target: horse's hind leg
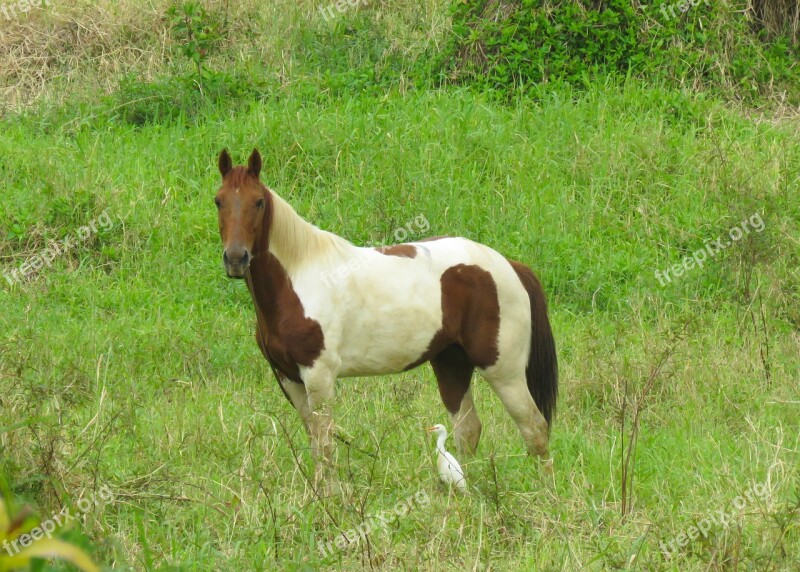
513,392
454,372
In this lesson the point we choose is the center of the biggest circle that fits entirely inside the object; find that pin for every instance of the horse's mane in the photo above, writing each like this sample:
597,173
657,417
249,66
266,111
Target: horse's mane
295,240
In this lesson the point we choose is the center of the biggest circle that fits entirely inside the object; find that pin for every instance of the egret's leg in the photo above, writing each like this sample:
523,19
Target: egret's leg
454,372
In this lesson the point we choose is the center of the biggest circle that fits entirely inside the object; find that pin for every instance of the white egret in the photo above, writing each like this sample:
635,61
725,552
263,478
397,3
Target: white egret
449,470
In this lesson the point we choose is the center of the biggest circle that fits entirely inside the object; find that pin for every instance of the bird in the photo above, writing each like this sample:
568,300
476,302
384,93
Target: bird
449,470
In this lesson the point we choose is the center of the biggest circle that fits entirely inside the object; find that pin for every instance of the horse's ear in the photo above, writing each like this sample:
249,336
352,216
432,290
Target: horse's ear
225,163
254,163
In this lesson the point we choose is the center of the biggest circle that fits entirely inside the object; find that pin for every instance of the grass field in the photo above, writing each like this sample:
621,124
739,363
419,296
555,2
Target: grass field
129,362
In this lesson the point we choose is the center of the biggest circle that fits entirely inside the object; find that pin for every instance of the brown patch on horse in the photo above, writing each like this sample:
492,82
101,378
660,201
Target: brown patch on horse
286,337
402,250
453,372
261,341
471,312
470,316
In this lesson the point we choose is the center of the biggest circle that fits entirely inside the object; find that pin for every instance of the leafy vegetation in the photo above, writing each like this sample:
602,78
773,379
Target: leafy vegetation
196,34
717,46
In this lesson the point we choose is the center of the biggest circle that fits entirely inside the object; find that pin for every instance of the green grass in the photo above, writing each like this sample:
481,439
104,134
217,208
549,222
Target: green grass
135,360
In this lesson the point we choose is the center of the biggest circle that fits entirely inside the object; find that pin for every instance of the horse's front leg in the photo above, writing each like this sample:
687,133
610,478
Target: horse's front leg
296,393
319,381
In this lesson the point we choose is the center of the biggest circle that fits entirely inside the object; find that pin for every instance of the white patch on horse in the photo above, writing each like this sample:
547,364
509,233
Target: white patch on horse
382,314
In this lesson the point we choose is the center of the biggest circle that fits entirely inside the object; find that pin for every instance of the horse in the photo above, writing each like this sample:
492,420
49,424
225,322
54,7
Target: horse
327,309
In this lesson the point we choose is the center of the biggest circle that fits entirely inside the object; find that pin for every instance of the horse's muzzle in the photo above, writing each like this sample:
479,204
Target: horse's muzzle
236,263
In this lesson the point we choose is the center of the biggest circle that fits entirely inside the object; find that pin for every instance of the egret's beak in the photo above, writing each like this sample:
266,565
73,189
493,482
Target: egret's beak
430,429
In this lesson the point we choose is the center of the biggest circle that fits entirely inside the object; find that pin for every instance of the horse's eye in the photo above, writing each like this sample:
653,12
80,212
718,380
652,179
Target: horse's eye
218,203
260,203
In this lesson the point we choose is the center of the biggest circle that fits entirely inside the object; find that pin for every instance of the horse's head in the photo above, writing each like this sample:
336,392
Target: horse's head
242,203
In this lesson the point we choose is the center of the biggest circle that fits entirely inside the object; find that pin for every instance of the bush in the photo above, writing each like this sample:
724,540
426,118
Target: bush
503,44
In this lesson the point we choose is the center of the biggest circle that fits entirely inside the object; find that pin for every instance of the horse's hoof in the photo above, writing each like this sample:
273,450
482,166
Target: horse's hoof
547,468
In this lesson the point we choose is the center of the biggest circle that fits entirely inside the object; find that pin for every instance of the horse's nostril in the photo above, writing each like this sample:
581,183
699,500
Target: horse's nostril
238,258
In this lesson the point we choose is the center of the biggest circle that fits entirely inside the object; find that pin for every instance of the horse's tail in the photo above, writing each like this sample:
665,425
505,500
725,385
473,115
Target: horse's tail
542,369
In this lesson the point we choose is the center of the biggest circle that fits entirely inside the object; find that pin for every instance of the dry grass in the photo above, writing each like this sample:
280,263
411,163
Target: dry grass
778,16
70,44
68,48
80,47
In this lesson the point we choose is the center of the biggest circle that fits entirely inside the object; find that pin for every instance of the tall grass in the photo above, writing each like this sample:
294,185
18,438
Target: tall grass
132,357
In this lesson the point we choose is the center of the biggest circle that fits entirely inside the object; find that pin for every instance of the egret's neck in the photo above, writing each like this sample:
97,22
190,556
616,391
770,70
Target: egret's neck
440,439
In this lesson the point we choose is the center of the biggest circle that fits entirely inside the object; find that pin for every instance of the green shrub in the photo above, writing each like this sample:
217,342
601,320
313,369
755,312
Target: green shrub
168,99
504,44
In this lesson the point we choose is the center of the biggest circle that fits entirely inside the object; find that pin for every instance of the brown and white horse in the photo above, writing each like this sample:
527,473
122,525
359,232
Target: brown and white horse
450,301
